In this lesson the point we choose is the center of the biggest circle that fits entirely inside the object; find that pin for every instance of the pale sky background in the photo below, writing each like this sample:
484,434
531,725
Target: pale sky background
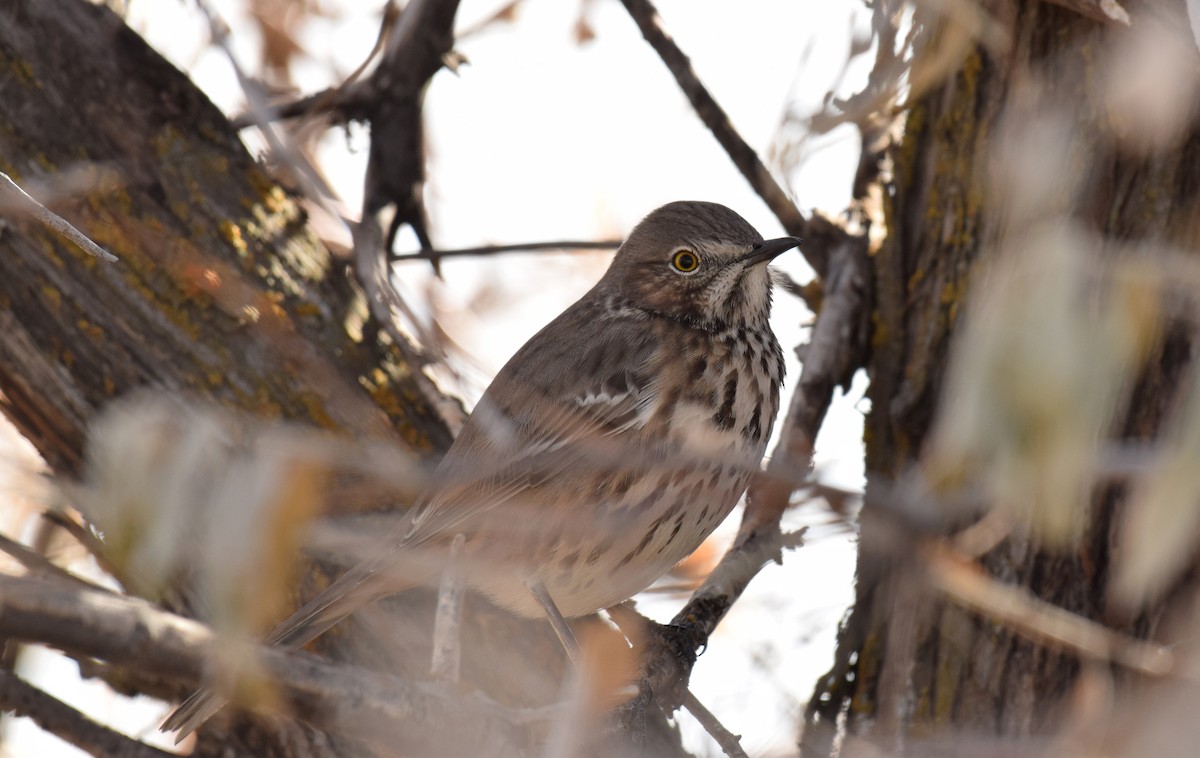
543,138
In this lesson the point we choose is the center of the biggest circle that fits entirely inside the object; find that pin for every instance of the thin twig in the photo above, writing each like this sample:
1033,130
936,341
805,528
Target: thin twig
717,121
731,744
504,14
68,724
74,526
13,198
35,562
530,247
311,182
345,98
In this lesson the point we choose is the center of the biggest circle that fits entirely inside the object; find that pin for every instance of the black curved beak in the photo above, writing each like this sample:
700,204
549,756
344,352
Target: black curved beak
770,249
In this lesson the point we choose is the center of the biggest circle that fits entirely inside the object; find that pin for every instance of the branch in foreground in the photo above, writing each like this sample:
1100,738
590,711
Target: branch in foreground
134,634
13,198
1045,623
527,247
36,563
717,121
68,724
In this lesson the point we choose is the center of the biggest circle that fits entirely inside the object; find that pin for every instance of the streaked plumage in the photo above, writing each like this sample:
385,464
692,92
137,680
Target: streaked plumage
613,442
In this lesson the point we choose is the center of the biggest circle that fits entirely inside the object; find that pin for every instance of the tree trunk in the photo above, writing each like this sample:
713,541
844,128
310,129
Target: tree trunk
909,664
220,292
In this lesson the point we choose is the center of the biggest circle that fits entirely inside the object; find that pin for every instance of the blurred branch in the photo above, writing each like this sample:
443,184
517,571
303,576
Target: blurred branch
15,199
68,724
717,121
134,634
809,294
1047,624
384,302
340,100
506,13
36,563
71,522
1105,11
313,185
533,247
343,99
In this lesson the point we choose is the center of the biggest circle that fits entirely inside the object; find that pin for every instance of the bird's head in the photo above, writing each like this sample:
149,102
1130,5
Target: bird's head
697,262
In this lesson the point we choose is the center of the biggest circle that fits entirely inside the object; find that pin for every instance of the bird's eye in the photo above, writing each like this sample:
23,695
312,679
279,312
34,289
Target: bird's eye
685,261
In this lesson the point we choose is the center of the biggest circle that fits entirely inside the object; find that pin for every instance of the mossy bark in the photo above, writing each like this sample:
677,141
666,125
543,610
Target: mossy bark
221,291
961,673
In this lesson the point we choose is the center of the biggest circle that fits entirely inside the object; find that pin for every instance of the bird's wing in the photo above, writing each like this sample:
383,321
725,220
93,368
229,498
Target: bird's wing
529,429
542,416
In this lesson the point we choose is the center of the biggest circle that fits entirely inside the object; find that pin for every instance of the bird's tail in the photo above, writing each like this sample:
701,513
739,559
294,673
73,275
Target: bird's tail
359,586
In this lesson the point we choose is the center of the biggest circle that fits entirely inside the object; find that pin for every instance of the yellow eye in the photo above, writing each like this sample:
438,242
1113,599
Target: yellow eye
685,261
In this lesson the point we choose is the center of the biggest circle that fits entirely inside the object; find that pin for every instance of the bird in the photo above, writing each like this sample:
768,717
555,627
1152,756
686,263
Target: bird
609,446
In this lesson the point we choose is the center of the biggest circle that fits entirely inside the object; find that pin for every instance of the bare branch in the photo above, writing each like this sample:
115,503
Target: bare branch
730,743
71,522
729,580
136,635
666,666
717,121
68,724
831,355
416,49
13,198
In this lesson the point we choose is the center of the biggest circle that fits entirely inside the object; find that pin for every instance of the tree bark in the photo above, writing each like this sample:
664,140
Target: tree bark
220,292
909,664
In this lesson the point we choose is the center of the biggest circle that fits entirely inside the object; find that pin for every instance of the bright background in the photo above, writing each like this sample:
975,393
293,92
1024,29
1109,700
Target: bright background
543,137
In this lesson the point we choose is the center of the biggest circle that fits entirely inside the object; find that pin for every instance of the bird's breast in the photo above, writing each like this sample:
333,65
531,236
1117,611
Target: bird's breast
724,398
